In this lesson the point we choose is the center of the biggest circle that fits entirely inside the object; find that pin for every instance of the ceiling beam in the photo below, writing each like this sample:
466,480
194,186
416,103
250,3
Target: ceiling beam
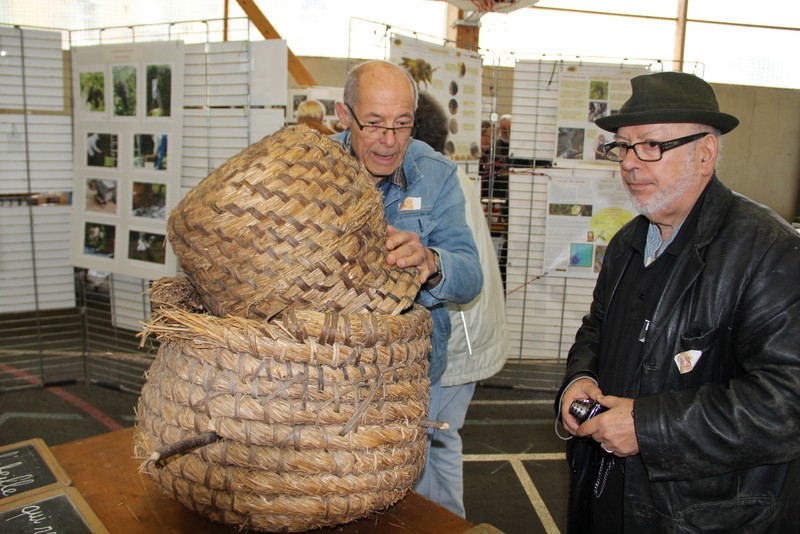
680,35
296,67
463,35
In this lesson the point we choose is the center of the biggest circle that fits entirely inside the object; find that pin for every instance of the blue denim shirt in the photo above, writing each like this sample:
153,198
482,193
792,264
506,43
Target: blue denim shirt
438,218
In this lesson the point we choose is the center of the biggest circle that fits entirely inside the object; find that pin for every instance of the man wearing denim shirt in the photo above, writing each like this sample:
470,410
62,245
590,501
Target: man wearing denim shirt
422,198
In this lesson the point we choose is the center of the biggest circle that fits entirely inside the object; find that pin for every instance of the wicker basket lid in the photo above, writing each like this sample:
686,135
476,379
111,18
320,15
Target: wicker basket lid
292,221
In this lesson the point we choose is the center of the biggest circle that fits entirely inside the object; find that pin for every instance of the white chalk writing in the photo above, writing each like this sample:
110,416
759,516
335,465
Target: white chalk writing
33,512
9,484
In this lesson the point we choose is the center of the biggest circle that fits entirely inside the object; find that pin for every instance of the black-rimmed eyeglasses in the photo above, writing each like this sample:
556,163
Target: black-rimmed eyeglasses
647,150
373,130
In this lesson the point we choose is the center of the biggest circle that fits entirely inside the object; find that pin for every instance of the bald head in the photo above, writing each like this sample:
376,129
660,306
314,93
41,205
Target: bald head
372,73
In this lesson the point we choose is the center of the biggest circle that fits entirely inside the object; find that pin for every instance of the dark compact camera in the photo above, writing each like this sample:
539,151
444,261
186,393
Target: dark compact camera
585,409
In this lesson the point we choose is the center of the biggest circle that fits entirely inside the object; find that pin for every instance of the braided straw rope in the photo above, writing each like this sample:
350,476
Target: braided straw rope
310,419
292,221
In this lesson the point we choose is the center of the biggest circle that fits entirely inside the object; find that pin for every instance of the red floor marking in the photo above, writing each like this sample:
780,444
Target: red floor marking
79,403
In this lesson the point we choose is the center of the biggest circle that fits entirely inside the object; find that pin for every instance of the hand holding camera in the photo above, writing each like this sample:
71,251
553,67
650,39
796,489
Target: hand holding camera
585,409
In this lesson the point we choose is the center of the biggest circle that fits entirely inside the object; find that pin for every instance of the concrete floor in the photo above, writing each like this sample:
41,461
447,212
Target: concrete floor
515,473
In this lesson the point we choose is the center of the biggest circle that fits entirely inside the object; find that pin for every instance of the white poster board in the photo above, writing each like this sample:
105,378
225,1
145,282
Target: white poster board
269,67
128,138
453,77
583,214
587,93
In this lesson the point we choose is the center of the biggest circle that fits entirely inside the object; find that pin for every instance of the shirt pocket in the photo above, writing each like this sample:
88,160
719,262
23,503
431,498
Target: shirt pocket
416,221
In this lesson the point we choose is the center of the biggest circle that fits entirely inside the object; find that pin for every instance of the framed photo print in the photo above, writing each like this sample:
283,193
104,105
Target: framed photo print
149,200
124,90
101,195
147,246
159,89
99,239
150,151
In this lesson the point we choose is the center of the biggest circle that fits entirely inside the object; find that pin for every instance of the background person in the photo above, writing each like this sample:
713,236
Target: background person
423,202
495,187
312,113
479,340
504,135
691,341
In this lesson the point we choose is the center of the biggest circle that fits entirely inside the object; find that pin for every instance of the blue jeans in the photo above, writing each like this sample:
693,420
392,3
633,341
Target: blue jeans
442,479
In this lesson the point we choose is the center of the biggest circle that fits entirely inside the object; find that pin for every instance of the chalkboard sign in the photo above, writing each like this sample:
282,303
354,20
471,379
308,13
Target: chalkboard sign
56,510
28,466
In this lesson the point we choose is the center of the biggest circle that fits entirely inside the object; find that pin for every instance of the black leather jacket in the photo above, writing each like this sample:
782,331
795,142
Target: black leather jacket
719,445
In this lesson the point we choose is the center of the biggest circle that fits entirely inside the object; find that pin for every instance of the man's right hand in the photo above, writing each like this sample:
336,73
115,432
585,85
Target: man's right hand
581,388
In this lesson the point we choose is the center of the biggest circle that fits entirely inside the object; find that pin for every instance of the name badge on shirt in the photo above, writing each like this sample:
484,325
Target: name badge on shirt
687,360
411,203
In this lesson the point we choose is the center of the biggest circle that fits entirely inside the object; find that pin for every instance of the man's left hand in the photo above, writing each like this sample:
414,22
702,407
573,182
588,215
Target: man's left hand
406,250
613,429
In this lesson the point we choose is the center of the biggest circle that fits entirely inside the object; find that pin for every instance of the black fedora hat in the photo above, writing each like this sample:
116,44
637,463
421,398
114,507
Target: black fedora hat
669,97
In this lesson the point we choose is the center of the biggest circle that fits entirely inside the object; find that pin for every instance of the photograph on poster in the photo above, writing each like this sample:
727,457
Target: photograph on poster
573,210
159,87
101,149
99,239
147,246
453,106
101,195
597,109
124,78
150,151
453,87
580,255
599,146
453,127
599,254
598,89
149,200
570,143
330,106
93,94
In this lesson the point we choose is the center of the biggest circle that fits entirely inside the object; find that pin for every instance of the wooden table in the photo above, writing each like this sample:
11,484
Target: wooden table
103,470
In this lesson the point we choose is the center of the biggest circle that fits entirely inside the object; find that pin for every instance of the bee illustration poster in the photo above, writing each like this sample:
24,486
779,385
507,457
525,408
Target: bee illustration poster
128,138
452,78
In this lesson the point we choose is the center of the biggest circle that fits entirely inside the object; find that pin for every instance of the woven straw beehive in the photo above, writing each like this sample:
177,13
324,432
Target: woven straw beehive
314,419
291,221
299,401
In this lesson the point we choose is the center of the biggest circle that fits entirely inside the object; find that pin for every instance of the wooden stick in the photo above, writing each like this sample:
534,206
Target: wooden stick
438,425
188,444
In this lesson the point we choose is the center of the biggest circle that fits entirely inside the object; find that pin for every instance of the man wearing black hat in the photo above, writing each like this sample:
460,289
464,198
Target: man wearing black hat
691,344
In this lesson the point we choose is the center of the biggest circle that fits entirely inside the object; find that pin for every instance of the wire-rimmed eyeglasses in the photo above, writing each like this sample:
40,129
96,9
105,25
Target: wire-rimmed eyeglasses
373,130
647,150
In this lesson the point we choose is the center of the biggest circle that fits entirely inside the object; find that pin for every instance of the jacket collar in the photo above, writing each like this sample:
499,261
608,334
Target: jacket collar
688,265
715,208
712,214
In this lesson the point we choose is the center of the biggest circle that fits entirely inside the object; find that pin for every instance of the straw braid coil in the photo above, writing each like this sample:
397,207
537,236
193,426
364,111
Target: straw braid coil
314,417
290,386
290,221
